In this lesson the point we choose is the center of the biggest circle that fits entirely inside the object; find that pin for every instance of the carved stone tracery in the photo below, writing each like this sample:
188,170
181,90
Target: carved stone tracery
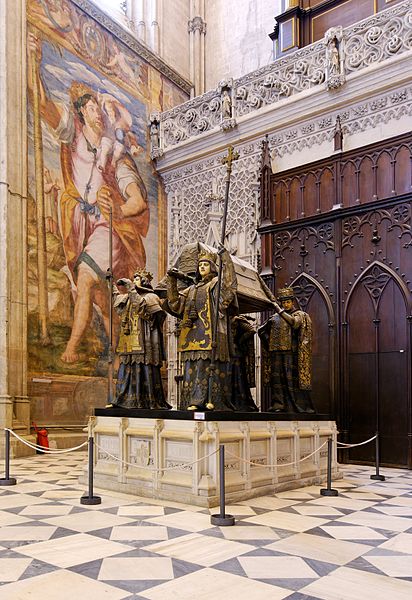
371,41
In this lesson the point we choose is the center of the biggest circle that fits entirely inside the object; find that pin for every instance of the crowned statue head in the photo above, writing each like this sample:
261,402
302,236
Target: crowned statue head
142,279
286,297
207,264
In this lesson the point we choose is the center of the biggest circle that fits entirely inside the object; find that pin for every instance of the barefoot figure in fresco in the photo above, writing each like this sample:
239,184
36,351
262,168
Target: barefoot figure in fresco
89,195
287,355
140,347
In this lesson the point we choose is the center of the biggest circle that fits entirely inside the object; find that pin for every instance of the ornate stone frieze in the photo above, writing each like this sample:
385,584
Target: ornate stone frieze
353,119
328,61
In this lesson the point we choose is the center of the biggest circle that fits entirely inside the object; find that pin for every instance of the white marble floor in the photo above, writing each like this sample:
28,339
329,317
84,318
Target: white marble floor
296,545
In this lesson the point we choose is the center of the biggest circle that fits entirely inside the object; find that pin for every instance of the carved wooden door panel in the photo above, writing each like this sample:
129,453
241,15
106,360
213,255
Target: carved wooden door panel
377,340
314,300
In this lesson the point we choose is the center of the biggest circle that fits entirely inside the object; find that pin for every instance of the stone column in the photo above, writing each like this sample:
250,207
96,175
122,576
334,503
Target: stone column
154,26
197,32
14,403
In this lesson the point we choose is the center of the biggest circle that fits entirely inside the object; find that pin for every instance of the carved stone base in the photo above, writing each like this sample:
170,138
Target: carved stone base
147,445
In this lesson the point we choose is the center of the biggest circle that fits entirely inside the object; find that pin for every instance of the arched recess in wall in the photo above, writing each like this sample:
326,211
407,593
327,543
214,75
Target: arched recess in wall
314,299
376,346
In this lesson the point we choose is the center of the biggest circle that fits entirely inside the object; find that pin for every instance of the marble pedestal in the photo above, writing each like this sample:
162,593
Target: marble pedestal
170,457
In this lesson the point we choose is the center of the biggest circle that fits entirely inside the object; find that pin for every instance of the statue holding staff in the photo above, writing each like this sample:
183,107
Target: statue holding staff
197,306
287,344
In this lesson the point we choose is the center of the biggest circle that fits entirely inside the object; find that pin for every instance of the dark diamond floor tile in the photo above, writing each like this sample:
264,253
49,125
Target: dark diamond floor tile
299,596
137,552
214,532
283,533
171,511
78,509
231,566
320,532
182,567
62,532
363,565
261,511
289,584
38,567
103,533
264,552
89,569
14,511
172,532
11,554
135,586
113,510
384,552
321,568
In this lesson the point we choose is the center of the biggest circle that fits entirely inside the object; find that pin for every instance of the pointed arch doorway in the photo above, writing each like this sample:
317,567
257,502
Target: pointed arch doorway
376,334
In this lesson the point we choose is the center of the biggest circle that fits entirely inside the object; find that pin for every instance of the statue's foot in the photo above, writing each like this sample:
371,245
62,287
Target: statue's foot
109,406
69,355
193,407
210,406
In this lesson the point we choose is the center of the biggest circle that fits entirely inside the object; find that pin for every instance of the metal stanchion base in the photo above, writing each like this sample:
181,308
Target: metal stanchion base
90,500
9,481
378,477
222,521
329,492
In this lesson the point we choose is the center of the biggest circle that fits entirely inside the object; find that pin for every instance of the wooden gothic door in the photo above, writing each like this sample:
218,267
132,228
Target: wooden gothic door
376,335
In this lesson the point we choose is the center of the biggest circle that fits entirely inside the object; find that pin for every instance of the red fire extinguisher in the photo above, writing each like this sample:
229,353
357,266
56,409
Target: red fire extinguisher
42,438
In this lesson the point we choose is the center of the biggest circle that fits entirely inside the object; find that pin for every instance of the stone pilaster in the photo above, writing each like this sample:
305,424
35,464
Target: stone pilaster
14,406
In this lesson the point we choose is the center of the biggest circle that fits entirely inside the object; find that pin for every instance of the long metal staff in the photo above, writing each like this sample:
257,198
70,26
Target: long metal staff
109,278
226,160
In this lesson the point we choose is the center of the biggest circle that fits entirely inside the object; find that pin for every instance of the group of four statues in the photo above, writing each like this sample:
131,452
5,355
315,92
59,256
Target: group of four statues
217,358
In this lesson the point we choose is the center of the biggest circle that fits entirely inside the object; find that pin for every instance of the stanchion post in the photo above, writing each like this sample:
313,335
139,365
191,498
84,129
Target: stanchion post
91,500
222,519
7,480
329,491
377,476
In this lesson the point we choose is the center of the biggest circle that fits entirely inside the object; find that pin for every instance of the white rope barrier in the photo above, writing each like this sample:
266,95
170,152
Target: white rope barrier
154,470
45,449
277,464
354,445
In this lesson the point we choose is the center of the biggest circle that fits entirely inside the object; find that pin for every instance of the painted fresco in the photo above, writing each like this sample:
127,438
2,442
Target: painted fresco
90,98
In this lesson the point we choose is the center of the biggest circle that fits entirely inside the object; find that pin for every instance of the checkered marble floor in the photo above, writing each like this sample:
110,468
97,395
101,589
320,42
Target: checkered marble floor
296,545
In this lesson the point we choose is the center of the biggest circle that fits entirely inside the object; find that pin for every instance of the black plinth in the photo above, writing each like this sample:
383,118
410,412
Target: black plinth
220,521
9,481
90,500
329,492
212,415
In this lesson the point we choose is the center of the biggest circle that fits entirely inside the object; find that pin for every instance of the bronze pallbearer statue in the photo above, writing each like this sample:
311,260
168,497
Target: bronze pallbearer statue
287,349
203,387
140,347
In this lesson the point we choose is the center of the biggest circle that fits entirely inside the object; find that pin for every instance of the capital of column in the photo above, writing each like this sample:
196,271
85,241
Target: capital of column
196,24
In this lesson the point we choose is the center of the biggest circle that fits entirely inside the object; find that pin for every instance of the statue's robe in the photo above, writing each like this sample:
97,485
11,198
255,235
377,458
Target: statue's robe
196,307
287,360
141,351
